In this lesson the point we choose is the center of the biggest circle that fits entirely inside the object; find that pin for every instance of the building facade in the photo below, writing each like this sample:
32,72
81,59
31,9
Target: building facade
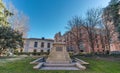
100,43
37,45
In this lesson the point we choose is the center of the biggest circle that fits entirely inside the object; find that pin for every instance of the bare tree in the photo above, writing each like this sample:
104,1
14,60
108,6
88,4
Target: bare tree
74,27
19,21
102,39
109,29
93,18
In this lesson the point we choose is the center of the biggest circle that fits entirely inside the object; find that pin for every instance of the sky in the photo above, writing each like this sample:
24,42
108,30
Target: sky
47,17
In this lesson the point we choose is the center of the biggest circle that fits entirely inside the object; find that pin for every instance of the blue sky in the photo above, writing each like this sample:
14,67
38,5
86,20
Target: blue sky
48,17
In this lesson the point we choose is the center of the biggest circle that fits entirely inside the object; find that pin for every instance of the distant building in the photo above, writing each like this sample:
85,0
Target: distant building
100,43
37,44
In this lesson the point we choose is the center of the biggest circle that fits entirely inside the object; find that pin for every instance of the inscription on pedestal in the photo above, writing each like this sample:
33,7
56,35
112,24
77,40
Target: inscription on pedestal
59,48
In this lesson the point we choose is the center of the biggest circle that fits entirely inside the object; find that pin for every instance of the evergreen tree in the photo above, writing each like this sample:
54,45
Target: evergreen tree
112,13
10,39
4,13
113,2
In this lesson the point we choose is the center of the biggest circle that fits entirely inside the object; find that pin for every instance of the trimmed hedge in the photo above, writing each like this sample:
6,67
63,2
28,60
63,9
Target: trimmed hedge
31,53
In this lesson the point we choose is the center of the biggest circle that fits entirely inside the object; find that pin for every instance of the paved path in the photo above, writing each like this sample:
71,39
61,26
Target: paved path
59,68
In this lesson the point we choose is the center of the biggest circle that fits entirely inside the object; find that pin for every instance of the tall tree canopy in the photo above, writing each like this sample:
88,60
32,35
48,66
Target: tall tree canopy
112,13
19,21
10,39
4,13
113,2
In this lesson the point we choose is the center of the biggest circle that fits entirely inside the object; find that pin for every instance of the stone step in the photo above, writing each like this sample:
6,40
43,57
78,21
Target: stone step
36,61
38,66
81,61
59,68
59,65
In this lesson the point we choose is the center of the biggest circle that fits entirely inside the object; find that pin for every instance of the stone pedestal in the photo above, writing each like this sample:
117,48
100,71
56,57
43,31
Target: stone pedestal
58,54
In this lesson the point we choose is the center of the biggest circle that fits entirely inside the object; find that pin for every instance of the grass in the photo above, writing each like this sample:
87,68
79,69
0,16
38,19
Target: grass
96,66
99,65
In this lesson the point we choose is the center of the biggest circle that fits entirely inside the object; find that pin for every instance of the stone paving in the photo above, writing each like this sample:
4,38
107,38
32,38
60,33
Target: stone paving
59,68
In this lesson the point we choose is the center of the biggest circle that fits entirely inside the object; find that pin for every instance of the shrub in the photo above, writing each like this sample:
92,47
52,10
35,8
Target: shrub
29,53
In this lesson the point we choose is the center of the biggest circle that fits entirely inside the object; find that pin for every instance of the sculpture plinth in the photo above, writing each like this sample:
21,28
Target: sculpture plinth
59,59
58,54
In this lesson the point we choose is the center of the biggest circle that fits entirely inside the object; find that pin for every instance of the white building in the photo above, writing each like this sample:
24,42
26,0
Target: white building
37,44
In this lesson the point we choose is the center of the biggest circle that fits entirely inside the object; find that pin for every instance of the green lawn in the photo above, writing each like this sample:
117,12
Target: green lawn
96,66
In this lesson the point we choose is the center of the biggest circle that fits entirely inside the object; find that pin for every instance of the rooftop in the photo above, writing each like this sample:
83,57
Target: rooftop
38,39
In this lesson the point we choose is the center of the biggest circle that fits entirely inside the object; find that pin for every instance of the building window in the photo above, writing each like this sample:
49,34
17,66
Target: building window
35,44
34,50
21,50
41,51
42,45
48,45
80,34
48,50
81,50
97,45
96,40
95,36
103,50
103,46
